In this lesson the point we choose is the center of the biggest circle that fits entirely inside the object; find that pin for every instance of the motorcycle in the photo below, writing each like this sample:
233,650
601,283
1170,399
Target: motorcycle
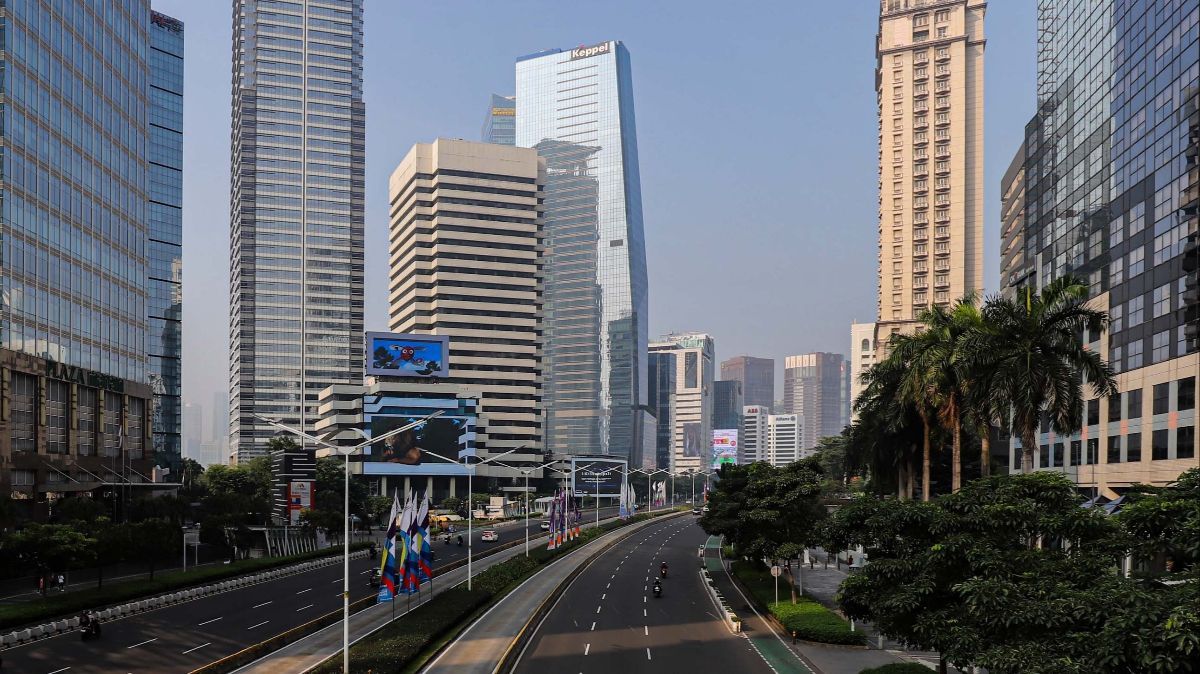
657,590
374,580
446,539
663,572
460,541
89,628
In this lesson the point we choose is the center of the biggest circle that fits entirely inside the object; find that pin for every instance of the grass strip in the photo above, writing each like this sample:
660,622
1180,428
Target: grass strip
898,668
807,618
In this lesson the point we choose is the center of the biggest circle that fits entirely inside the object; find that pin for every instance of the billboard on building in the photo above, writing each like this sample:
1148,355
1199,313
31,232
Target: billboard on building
602,476
724,447
691,440
442,436
300,497
393,354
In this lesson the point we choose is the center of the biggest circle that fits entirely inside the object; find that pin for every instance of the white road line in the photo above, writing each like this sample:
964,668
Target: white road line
643,599
644,614
209,621
593,626
586,649
267,602
338,581
258,625
309,589
647,628
604,596
142,643
648,653
60,670
597,609
607,585
197,648
303,607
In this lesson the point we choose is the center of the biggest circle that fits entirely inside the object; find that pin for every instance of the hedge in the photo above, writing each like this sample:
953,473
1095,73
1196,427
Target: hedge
58,605
898,668
810,620
405,640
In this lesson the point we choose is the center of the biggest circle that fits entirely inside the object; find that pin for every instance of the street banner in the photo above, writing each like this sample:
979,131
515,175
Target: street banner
404,547
414,547
553,529
387,565
426,551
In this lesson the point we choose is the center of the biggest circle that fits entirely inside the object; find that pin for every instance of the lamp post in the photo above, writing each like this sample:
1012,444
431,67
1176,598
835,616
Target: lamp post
526,472
346,452
470,489
649,485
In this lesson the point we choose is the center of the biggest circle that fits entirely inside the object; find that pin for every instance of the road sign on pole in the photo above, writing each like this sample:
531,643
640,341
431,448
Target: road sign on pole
775,571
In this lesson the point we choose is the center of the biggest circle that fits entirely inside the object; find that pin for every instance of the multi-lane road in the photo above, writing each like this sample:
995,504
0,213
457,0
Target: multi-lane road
608,620
182,637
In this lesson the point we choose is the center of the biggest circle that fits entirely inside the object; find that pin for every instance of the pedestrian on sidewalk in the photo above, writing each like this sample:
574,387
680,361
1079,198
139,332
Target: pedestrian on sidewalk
62,583
42,585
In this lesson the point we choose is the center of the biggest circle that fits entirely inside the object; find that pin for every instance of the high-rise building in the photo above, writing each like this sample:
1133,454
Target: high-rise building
88,242
661,368
296,214
862,356
755,436
813,389
465,262
1012,223
576,108
727,404
757,376
784,439
1112,192
929,90
500,123
691,415
164,247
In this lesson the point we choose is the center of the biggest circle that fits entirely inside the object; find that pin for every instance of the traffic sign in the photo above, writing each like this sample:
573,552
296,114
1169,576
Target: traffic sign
776,571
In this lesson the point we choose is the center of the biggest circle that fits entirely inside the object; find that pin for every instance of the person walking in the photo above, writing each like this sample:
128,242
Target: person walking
62,583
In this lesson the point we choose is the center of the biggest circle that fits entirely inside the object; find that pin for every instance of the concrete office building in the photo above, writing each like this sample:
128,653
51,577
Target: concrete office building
296,212
87,340
500,122
575,107
727,404
773,438
691,415
1012,223
862,357
814,386
757,376
466,259
929,88
661,368
1112,193
755,435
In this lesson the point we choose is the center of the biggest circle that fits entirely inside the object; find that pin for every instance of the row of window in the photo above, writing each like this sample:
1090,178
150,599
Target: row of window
1120,449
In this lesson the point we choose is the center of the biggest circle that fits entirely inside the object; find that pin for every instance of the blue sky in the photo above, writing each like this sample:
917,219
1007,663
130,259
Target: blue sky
756,131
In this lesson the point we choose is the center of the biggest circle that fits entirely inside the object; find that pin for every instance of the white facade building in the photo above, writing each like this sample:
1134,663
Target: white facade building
862,357
773,438
691,438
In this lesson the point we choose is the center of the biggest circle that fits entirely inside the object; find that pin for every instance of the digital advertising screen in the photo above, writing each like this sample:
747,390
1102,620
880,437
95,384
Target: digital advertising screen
691,440
603,476
724,447
439,435
392,354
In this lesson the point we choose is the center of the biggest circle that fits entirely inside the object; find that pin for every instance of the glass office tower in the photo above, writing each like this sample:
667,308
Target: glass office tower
500,123
1112,182
296,244
576,107
164,248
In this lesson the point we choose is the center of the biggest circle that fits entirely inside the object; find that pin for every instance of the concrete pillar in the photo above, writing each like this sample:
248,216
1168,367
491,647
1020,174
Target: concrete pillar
429,486
407,488
453,484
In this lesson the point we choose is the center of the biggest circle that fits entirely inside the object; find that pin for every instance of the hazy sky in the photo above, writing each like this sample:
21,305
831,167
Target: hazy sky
756,133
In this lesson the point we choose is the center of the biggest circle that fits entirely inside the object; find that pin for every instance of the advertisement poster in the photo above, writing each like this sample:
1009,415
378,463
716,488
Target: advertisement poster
392,354
441,435
691,440
607,476
300,497
724,447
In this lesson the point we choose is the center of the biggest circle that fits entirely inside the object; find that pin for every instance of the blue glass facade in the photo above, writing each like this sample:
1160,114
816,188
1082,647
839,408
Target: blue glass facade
576,107
165,244
75,183
500,122
297,194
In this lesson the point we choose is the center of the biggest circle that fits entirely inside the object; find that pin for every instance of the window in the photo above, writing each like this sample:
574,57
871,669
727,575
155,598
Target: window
897,92
1185,442
1133,449
865,346
920,20
1058,455
1162,398
921,72
23,478
941,15
1117,318
920,35
1186,394
1137,261
1158,445
1134,408
896,251
1093,411
1076,453
58,394
1044,457
942,101
943,117
1135,307
1092,456
1114,449
690,369
898,60
86,445
1116,271
896,298
1135,355
1114,408
1162,300
942,31
112,425
943,53
24,412
1160,346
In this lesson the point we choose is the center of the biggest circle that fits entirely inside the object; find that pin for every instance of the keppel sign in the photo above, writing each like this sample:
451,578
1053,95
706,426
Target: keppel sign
588,52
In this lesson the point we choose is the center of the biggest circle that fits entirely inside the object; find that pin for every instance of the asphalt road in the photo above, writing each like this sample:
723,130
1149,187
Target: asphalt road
608,620
182,637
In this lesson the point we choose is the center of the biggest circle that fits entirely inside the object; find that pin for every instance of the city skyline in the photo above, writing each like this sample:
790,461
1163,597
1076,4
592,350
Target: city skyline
666,69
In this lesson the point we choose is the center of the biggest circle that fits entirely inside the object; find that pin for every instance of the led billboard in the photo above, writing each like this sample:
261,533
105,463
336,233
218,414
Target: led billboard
691,440
724,447
392,354
440,435
592,476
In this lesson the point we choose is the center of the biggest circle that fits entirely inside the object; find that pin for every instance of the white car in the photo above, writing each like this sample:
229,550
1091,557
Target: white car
544,525
489,536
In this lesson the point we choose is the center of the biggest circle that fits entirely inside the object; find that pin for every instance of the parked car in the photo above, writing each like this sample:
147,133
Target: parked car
489,536
544,525
695,511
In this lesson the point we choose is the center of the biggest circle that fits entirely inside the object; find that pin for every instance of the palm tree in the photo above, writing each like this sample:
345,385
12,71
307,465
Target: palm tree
915,359
1033,358
881,437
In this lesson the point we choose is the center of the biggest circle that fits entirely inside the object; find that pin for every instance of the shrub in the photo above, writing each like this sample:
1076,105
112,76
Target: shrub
813,622
898,668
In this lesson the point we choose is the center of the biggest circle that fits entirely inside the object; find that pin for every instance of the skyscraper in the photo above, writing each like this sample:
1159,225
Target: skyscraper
296,216
500,122
814,388
661,368
1012,223
88,244
757,376
929,89
1112,195
576,108
466,260
164,248
727,404
691,412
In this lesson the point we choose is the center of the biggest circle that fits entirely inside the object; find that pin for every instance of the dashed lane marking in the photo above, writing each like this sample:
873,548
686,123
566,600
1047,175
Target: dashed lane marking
197,648
258,625
303,607
267,602
143,643
209,621
586,649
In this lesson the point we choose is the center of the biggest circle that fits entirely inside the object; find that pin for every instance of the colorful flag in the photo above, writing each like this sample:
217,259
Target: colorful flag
413,558
404,547
424,551
387,565
553,520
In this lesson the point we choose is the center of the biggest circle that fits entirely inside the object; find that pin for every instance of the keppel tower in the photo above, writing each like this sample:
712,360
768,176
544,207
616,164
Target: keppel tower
576,108
296,213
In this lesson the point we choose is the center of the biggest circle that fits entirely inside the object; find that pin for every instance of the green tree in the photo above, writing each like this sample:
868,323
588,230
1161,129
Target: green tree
154,540
192,480
913,362
50,548
378,508
883,441
114,543
452,503
1032,360
78,509
1009,573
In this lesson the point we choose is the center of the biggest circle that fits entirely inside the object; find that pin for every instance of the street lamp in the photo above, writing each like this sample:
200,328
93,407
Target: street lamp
346,452
594,474
649,485
470,488
526,472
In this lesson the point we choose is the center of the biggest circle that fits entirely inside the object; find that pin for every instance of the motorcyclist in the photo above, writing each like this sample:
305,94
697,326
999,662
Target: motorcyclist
373,551
460,540
662,570
374,577
657,587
